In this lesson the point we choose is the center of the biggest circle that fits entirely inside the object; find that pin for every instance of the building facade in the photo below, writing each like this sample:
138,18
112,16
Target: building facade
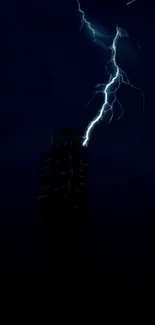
63,203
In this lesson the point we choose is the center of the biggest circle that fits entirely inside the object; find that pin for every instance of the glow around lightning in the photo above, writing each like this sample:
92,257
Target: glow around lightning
116,78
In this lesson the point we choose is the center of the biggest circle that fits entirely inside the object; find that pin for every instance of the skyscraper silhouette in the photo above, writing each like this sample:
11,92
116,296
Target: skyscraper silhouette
63,204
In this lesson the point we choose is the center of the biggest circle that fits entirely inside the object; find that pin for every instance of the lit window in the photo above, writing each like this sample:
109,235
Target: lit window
46,174
45,187
48,160
42,197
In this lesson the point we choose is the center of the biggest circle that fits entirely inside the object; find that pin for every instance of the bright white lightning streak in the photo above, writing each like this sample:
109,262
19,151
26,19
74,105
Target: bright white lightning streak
129,3
117,78
110,83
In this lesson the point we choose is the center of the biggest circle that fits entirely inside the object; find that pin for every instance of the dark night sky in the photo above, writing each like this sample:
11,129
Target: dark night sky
48,71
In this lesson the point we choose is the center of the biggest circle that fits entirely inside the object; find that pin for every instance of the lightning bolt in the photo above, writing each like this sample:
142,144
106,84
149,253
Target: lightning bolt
129,3
85,21
115,79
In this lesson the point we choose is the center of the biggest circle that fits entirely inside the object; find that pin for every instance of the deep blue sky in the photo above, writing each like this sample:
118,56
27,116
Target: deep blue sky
48,71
